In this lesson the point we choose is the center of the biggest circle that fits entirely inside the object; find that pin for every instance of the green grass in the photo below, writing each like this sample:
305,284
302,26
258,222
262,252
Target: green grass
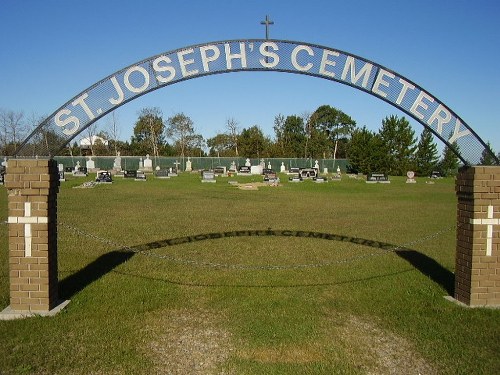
268,303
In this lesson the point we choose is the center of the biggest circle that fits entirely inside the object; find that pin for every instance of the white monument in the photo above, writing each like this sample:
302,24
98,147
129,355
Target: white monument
117,165
247,163
90,164
189,167
282,168
148,163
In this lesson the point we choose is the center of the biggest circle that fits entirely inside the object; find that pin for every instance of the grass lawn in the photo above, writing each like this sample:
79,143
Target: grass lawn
182,277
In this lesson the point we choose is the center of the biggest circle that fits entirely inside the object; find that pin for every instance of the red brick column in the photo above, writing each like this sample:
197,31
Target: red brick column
32,187
477,267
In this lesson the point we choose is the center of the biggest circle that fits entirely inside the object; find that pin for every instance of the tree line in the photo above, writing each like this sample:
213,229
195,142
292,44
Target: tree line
325,133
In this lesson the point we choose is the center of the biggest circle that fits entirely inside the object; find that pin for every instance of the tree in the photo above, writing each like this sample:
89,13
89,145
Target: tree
399,143
220,145
180,129
449,162
253,143
337,126
13,130
366,152
148,132
290,136
426,156
233,134
113,131
487,156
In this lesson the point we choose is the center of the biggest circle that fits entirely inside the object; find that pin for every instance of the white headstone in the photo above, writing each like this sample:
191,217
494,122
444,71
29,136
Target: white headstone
117,165
189,167
232,168
4,163
141,164
316,165
77,166
411,177
148,163
262,163
90,164
282,168
247,163
269,166
256,169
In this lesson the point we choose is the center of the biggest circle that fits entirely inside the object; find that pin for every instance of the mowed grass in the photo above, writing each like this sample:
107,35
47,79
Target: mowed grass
176,276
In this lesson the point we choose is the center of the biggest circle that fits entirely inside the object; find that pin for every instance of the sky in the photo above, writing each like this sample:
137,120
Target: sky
53,50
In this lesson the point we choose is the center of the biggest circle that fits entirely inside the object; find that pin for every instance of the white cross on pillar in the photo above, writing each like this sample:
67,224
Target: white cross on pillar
27,220
489,221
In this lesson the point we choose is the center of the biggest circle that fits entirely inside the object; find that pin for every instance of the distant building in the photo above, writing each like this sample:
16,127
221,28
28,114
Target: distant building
85,143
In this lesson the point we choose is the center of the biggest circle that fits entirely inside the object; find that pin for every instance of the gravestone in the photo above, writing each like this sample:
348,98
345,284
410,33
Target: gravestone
189,166
232,167
295,178
90,164
380,178
148,164
4,162
220,171
2,174
141,176
270,177
61,172
162,173
104,177
411,177
208,176
244,170
257,169
117,164
130,173
80,171
435,174
316,165
282,168
308,173
294,170
141,164
247,163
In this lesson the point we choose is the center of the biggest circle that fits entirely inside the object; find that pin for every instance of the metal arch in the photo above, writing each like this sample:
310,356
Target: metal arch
228,56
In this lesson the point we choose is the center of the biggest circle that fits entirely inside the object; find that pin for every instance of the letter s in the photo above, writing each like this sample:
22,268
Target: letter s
68,120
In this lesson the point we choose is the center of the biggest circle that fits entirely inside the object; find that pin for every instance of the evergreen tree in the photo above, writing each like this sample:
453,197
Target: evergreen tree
426,157
487,157
448,165
366,152
252,143
399,144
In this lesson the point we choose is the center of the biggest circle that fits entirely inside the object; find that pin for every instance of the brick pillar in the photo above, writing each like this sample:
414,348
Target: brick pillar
477,267
32,187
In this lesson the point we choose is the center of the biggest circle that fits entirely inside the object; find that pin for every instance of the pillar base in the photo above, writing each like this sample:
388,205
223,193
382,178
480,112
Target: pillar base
9,314
461,304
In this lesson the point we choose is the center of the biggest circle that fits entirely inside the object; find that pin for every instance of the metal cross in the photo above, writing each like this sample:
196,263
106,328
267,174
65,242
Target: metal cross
27,220
489,222
267,22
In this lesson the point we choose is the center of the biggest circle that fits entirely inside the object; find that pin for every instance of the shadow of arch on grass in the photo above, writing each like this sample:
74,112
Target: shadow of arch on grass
108,262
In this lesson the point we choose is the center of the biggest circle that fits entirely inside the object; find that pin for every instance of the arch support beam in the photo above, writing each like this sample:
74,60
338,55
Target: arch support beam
477,265
32,187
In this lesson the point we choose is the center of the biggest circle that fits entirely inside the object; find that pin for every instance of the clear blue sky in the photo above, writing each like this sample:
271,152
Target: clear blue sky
53,50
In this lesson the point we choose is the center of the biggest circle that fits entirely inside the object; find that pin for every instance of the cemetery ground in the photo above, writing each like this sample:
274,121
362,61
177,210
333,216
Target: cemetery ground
179,277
